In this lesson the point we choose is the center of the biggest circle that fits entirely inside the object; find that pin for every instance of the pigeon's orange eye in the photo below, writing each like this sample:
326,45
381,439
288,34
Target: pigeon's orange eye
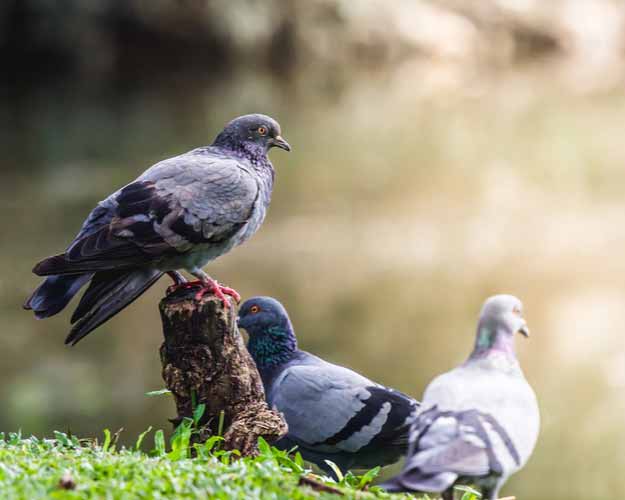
262,130
254,309
517,310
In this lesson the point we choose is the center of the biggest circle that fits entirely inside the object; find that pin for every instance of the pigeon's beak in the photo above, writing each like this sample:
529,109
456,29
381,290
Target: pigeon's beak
279,142
524,330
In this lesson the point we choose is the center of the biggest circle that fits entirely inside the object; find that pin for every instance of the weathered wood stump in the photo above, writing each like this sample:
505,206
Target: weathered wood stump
205,361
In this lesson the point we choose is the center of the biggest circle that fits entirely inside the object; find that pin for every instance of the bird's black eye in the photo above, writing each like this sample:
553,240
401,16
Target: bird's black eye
254,309
262,130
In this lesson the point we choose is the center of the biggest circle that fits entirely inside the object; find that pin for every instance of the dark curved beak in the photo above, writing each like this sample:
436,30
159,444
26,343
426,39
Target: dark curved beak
279,142
525,331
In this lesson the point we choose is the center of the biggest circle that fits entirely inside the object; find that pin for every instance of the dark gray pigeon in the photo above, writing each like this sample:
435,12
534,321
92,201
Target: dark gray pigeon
332,412
180,214
478,423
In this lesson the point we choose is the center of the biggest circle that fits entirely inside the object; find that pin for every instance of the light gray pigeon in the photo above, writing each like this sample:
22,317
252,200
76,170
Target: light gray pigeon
181,213
478,423
333,413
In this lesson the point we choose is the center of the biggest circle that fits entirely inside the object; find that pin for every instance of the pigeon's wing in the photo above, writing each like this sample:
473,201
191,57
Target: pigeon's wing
178,203
403,410
209,199
99,217
444,443
467,442
332,408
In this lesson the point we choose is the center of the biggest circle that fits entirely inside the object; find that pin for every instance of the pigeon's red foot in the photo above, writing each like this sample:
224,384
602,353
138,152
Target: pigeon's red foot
209,286
219,291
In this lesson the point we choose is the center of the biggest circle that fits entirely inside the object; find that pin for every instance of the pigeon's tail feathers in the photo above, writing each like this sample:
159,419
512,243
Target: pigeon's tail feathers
402,434
413,480
54,294
109,293
106,283
51,265
401,437
59,264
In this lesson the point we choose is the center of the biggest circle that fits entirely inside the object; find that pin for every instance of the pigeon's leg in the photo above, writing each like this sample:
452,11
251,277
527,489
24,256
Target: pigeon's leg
448,494
209,285
179,281
178,278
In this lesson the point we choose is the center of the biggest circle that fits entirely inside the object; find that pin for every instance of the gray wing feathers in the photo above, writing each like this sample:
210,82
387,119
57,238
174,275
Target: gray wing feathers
445,445
458,456
209,198
174,205
319,402
211,189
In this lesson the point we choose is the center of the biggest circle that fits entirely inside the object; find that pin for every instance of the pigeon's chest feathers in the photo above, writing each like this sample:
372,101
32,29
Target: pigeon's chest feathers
265,188
496,362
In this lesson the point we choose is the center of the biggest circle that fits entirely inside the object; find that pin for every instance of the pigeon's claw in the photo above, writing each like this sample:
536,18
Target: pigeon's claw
220,291
230,291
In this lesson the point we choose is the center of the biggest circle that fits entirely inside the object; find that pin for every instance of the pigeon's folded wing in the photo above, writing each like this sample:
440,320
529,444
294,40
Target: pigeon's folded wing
460,456
467,443
183,202
330,407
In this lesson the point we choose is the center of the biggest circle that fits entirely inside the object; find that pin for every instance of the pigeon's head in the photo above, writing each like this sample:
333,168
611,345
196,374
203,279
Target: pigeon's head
252,132
504,313
501,318
259,314
272,340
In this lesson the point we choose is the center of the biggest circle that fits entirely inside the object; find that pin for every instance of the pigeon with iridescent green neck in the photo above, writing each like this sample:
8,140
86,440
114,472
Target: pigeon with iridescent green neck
333,413
478,423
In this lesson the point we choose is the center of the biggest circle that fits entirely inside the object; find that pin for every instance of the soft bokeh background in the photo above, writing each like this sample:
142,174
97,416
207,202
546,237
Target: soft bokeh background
442,152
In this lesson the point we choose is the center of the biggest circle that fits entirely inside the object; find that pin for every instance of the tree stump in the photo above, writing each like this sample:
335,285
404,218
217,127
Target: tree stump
205,361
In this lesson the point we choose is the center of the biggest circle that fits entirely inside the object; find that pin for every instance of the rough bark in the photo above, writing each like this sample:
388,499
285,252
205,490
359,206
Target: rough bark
205,361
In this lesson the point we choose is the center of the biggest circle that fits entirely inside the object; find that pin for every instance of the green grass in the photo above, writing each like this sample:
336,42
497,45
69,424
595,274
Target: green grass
68,468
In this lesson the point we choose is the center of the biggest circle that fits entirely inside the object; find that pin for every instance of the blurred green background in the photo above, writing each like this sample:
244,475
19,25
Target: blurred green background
442,152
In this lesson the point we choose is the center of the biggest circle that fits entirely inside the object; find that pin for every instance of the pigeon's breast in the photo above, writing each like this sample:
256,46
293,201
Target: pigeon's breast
256,219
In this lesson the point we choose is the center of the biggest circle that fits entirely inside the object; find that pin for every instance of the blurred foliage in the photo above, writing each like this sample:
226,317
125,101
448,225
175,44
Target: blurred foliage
139,38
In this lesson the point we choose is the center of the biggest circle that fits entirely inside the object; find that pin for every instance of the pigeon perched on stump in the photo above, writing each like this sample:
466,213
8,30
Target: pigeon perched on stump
333,413
181,213
478,423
